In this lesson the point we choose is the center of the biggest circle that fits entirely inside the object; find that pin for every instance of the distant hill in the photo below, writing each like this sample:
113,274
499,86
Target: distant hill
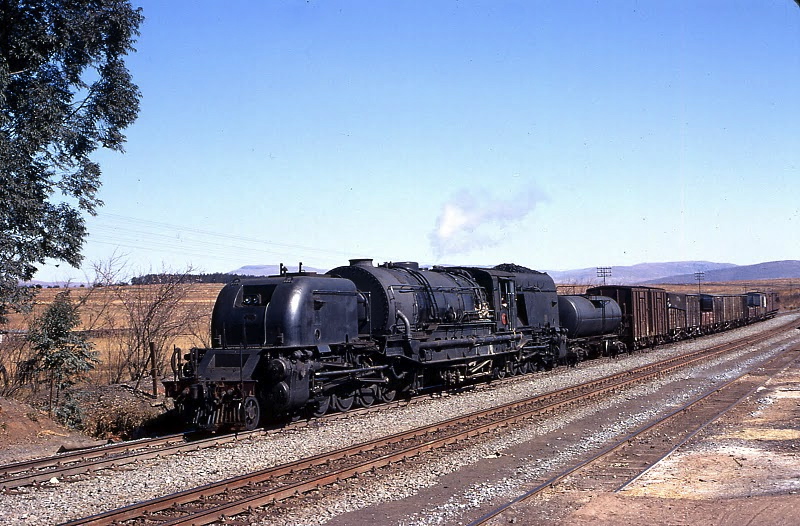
640,273
677,272
789,269
673,273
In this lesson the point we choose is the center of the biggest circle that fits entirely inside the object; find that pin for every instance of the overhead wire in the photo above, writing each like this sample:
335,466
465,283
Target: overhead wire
134,233
219,234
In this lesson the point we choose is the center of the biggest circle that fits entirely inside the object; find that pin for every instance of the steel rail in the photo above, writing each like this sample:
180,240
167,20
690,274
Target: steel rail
87,460
57,461
774,366
106,457
528,408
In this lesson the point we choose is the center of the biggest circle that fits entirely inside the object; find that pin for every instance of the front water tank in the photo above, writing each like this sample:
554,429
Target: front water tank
585,316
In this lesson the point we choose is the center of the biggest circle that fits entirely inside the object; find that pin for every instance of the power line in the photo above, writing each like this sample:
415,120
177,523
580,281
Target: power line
138,234
125,219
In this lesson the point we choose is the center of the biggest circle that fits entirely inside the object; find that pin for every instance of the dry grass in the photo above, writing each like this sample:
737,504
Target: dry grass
96,302
104,318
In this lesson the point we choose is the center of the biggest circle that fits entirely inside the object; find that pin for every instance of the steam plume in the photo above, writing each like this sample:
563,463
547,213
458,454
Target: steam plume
467,222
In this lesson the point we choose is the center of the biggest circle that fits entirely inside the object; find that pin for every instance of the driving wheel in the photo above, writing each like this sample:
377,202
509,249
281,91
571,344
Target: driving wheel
252,412
322,406
343,402
386,393
367,396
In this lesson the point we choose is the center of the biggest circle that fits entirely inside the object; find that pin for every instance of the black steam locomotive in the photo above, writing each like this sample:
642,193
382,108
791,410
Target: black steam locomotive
302,344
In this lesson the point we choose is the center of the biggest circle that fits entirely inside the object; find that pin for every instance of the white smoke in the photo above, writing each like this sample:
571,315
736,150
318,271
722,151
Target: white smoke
469,222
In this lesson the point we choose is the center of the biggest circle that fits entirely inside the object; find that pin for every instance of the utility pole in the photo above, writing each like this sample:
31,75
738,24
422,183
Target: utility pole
603,272
699,277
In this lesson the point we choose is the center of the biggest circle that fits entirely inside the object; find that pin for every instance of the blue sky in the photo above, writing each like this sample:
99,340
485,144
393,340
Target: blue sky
556,135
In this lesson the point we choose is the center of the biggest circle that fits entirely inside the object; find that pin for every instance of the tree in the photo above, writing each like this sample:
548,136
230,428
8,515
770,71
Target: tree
61,353
136,316
65,91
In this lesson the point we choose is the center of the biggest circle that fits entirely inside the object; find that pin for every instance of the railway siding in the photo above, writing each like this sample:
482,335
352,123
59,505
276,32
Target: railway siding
172,474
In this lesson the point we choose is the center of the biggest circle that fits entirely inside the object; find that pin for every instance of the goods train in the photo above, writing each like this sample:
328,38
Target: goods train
302,344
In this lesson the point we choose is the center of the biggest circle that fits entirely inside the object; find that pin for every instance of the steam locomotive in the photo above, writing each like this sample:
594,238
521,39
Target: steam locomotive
302,344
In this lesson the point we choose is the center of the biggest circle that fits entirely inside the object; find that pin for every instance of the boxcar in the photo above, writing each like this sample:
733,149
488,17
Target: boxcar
756,306
678,315
761,305
693,314
772,303
723,311
734,309
644,313
713,313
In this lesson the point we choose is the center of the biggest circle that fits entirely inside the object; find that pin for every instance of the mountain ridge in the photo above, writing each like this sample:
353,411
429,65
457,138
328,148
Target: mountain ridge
674,272
639,273
666,273
785,269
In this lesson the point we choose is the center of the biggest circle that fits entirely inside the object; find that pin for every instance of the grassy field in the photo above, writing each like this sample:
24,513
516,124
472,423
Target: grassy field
102,308
173,318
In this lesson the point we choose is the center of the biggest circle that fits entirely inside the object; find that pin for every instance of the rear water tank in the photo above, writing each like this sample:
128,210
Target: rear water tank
585,316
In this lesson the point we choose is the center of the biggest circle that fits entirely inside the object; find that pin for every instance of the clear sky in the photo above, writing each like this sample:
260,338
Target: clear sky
556,135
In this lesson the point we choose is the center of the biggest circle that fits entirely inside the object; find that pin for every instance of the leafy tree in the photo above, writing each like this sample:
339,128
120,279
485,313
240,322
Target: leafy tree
64,355
65,91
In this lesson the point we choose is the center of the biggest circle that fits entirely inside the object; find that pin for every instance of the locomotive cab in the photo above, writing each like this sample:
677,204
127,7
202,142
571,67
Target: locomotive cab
519,299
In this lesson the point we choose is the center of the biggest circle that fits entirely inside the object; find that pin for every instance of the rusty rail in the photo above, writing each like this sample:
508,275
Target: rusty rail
213,502
633,455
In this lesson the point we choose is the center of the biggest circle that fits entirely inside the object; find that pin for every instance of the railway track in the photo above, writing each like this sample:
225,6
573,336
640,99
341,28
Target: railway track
238,495
110,456
68,466
623,462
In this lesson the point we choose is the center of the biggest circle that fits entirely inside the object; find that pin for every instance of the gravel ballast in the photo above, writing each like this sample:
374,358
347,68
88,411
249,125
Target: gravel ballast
62,501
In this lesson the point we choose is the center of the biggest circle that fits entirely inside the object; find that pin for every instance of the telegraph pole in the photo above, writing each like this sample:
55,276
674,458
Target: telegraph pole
699,277
603,272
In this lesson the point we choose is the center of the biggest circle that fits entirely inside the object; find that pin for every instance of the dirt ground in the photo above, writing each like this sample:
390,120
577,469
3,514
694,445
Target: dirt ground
27,433
744,470
111,413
